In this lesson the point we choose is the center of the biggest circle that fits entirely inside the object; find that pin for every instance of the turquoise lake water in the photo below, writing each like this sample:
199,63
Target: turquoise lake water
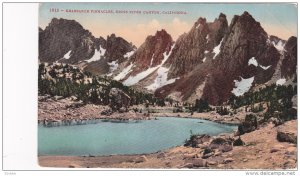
106,138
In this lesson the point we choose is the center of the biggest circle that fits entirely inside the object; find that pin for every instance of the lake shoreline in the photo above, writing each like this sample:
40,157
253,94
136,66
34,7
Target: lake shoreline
262,150
68,111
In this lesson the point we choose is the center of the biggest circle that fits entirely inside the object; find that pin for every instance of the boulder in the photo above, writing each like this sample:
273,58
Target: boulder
225,148
219,141
195,140
118,99
250,124
205,156
198,162
286,137
274,150
222,144
228,160
287,132
238,142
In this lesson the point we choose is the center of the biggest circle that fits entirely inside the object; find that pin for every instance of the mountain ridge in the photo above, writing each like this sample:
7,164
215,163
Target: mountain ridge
212,61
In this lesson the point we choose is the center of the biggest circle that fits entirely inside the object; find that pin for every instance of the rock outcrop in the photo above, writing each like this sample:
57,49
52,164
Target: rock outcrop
228,63
250,124
118,99
289,63
63,36
197,45
68,42
211,61
287,132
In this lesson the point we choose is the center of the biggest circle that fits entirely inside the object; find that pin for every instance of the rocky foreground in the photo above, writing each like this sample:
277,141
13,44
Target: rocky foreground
269,147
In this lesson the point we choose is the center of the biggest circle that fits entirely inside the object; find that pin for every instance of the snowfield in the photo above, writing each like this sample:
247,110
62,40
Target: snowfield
280,81
151,60
265,68
161,79
242,86
207,37
217,49
253,61
279,46
112,67
68,55
124,72
135,79
97,55
129,54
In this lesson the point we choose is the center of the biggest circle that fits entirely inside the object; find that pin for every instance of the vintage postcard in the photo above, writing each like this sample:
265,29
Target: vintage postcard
167,85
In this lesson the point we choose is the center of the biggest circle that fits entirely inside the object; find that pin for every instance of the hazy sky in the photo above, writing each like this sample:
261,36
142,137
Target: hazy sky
277,19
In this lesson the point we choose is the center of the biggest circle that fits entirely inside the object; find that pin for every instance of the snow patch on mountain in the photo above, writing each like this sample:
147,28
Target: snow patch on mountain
68,55
161,79
242,86
280,81
265,67
207,37
217,49
279,46
124,72
112,67
135,79
151,61
253,61
129,54
203,60
166,56
97,55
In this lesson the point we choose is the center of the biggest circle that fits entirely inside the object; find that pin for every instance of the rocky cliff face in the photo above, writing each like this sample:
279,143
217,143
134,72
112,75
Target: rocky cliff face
112,51
197,46
145,68
213,61
151,52
65,40
68,42
289,63
244,58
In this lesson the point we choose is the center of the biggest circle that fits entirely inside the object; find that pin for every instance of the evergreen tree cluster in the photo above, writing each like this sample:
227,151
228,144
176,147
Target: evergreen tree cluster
278,99
201,106
267,94
66,81
222,110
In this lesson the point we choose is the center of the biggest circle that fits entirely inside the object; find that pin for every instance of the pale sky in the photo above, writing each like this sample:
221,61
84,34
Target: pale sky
278,19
